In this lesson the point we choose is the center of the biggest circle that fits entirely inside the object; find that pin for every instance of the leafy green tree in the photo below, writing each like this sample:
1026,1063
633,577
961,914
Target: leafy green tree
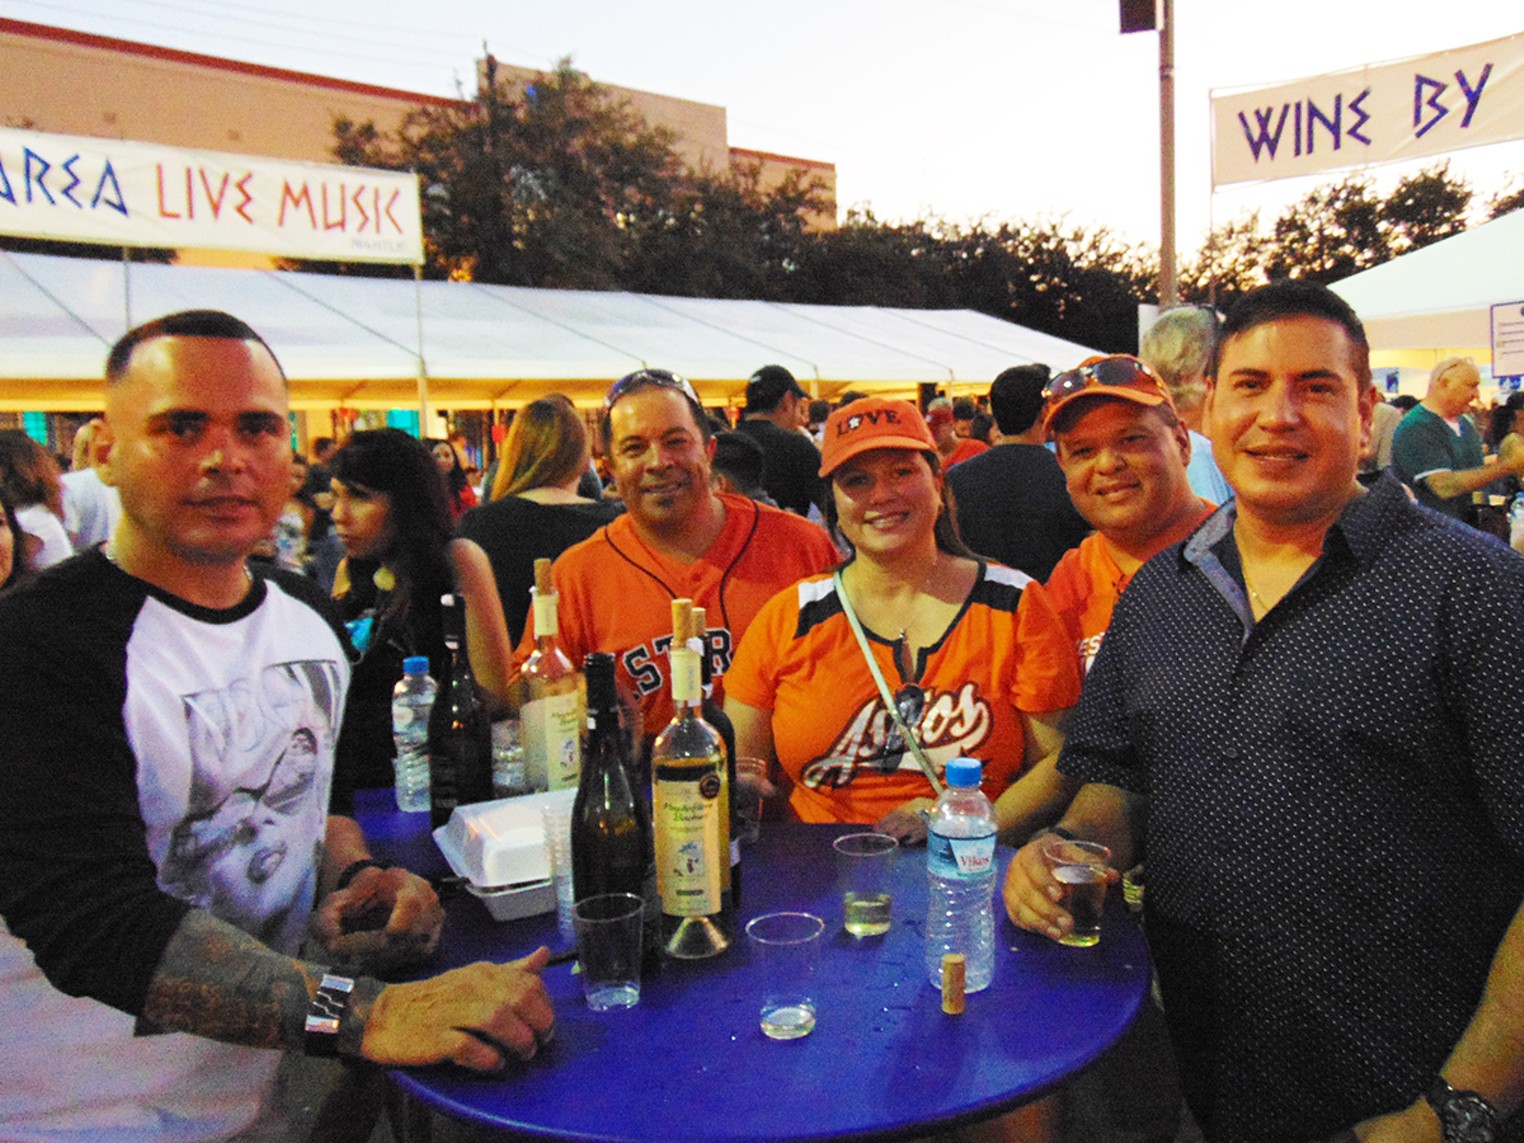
724,236
1332,233
1229,264
540,185
1425,208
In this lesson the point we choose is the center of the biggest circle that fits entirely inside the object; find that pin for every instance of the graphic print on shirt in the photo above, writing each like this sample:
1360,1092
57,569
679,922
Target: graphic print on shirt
948,723
647,663
247,847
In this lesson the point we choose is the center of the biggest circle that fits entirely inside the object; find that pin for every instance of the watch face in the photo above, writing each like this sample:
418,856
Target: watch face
1467,1118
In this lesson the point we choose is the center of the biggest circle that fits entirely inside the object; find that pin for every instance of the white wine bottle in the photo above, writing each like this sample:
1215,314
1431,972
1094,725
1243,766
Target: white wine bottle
714,714
554,703
691,807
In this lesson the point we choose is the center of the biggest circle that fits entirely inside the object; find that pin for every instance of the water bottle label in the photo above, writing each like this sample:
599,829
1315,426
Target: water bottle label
402,715
964,858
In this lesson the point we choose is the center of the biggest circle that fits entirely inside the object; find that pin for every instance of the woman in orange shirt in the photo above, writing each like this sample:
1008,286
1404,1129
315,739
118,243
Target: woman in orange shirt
977,659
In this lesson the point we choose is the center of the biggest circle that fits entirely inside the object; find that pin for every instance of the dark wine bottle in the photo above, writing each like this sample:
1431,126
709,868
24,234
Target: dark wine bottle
460,736
691,804
611,828
715,716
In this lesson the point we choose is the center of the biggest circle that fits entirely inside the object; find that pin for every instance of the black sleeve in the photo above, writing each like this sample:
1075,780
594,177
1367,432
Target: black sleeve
76,880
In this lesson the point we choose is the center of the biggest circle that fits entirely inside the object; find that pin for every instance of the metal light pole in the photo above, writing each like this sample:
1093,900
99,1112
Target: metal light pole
1167,291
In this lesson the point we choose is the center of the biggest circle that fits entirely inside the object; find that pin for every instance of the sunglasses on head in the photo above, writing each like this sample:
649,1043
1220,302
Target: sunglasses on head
1120,372
649,379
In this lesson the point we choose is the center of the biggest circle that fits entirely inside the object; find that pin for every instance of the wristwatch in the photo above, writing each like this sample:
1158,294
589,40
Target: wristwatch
328,1006
1464,1116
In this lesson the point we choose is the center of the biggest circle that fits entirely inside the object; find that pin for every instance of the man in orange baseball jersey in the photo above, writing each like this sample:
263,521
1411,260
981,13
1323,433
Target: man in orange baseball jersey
1123,451
1124,454
678,539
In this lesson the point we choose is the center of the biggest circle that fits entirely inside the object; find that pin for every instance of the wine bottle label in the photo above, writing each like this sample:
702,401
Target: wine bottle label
552,732
691,859
546,621
960,857
686,675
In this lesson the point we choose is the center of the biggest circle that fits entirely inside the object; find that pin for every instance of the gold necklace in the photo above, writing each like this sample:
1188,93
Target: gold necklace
1256,596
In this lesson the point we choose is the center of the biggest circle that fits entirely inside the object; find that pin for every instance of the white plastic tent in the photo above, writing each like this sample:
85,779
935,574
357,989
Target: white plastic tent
365,342
1441,297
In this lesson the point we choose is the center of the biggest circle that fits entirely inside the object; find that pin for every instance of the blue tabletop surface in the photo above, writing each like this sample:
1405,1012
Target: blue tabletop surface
690,1064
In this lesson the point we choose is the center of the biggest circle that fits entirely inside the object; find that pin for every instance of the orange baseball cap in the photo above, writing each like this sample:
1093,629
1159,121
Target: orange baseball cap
1119,375
869,423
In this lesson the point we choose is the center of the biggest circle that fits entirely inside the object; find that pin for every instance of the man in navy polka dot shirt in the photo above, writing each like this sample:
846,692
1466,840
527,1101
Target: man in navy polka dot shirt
1309,717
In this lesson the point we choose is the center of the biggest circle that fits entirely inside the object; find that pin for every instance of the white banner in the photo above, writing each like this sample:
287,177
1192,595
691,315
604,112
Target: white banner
77,189
1429,105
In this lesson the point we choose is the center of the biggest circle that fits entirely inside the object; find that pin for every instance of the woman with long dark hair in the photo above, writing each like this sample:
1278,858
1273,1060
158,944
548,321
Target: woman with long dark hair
15,564
462,497
29,481
535,511
392,514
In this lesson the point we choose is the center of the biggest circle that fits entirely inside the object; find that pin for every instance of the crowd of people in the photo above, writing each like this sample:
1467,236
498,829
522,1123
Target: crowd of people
1204,604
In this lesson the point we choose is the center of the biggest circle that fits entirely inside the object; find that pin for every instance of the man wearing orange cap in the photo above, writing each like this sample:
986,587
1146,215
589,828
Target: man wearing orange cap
1124,454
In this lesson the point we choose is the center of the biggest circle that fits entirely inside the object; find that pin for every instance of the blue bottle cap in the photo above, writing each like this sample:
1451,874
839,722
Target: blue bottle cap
964,772
415,665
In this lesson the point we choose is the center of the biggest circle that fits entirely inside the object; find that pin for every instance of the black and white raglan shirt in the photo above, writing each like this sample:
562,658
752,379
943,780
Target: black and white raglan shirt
155,756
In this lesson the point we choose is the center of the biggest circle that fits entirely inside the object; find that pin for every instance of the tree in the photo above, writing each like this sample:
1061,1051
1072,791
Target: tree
1425,208
1332,233
1510,198
554,184
1229,265
536,186
724,236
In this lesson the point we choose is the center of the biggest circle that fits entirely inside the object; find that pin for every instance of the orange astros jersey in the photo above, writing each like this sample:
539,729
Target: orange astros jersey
616,594
1006,652
1087,583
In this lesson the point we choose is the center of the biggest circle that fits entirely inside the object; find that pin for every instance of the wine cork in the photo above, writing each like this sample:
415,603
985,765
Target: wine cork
543,584
952,983
682,621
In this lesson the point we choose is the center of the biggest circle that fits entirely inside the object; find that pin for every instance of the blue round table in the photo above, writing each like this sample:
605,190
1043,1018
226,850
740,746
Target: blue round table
689,1064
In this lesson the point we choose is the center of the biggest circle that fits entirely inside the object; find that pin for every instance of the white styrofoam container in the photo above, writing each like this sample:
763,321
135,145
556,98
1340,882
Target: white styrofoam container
514,901
500,844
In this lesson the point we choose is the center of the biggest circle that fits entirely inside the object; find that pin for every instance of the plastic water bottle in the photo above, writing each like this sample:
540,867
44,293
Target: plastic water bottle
960,862
412,702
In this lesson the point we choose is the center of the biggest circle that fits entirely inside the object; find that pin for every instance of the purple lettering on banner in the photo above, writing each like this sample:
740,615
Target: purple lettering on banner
1296,132
1315,115
1264,140
1435,88
1473,94
1353,132
74,181
5,185
40,179
108,178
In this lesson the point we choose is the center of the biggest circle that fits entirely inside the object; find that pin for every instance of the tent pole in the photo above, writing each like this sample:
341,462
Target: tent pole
424,427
